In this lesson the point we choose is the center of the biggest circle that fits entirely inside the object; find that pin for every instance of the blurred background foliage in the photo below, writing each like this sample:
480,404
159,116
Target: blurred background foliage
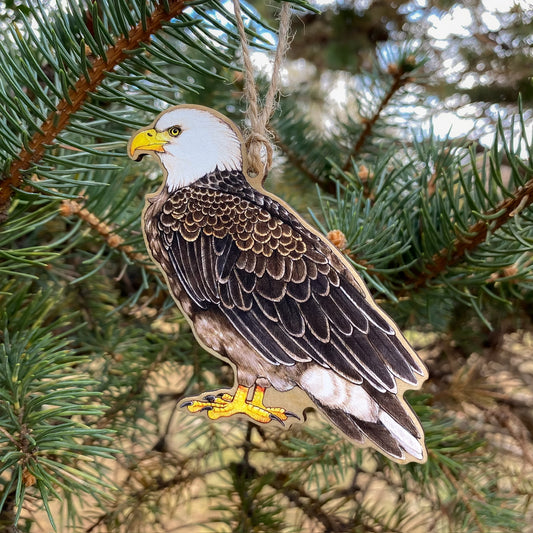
403,132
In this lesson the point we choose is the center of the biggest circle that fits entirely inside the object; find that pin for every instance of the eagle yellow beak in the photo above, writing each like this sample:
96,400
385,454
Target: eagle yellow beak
148,141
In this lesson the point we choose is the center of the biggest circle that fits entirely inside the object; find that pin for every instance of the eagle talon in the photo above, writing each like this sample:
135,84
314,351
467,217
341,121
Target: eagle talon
288,413
225,405
277,418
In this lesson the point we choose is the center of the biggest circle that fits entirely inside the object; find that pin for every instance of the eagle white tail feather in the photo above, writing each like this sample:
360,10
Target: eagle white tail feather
409,443
358,415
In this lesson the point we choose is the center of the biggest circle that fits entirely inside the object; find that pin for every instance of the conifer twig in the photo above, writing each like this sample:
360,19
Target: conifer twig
399,79
477,234
299,163
71,207
9,437
466,500
310,506
58,119
338,239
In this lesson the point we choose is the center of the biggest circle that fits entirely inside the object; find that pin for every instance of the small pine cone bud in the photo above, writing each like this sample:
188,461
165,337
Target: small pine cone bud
393,69
364,173
28,478
509,271
410,60
114,240
128,250
408,64
101,227
238,77
89,217
506,272
68,207
337,238
493,278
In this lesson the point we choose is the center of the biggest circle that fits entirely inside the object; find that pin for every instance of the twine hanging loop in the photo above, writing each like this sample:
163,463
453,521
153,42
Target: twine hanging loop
258,138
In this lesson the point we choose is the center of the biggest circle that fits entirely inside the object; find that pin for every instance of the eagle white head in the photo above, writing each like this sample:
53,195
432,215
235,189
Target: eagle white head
190,142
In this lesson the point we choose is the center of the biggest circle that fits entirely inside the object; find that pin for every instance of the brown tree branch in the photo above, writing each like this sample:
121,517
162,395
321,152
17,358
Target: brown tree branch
466,499
58,119
399,80
71,207
309,505
492,220
299,163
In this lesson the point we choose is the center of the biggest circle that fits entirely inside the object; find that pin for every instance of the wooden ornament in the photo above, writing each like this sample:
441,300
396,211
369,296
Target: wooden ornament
267,293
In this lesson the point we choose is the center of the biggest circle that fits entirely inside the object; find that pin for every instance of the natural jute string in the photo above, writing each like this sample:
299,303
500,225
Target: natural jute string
259,136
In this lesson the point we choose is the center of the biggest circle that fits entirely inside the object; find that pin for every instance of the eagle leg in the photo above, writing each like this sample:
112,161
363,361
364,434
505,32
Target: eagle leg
226,405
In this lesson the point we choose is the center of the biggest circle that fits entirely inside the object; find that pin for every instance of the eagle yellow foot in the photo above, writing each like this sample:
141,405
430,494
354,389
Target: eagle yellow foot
227,405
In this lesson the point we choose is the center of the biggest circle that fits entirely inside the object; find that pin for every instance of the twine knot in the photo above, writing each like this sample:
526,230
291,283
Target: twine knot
256,143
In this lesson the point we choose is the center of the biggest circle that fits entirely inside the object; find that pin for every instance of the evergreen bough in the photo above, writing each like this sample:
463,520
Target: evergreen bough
95,356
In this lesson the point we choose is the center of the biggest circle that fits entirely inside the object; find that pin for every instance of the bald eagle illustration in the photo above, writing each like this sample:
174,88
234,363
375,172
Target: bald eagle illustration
265,291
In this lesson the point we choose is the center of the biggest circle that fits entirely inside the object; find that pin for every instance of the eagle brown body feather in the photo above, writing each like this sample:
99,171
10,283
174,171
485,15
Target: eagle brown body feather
272,297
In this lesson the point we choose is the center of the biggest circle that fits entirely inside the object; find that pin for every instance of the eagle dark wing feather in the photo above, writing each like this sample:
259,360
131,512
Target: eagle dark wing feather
274,343
196,256
389,402
290,316
333,313
179,256
247,280
317,321
221,245
225,261
270,288
208,258
358,429
267,307
397,357
280,286
364,358
300,292
243,300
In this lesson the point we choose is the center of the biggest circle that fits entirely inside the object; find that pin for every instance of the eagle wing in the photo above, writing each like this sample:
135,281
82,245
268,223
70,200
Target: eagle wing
280,285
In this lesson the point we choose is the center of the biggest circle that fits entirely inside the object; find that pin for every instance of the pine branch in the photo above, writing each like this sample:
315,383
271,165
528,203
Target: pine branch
310,506
58,119
399,78
134,392
476,234
299,163
71,207
8,513
338,239
152,487
464,498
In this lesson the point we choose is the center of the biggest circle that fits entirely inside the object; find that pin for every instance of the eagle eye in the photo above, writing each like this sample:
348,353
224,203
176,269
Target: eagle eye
174,131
